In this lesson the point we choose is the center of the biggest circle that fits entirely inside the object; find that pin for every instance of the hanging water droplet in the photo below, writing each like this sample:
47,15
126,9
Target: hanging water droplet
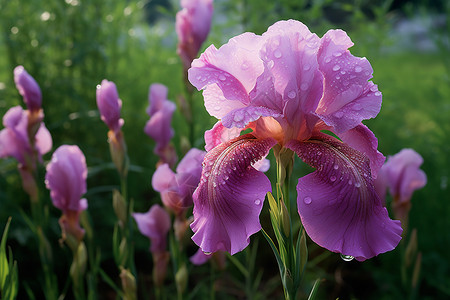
346,257
244,66
358,69
307,200
377,94
257,202
277,53
336,68
207,253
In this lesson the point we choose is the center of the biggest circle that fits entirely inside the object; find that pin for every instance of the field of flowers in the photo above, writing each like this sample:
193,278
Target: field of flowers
242,149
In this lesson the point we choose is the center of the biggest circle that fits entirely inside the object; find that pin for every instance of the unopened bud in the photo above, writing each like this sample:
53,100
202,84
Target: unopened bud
411,248
118,150
120,207
181,279
128,284
78,267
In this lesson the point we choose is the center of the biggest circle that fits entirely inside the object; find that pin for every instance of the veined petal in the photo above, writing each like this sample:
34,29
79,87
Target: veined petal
347,91
363,140
337,203
230,196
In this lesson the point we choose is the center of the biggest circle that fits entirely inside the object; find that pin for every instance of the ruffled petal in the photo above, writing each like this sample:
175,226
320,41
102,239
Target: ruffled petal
363,140
199,258
347,91
290,53
154,224
219,134
230,196
337,203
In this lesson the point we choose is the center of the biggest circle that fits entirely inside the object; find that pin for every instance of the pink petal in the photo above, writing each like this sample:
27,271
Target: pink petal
229,198
14,137
191,162
157,95
219,134
66,178
109,104
44,141
347,91
28,88
199,258
337,203
163,178
159,126
362,139
155,224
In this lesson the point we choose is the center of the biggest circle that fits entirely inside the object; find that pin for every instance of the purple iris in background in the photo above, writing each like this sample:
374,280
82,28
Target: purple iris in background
290,87
28,88
401,174
192,25
159,128
109,105
155,224
66,179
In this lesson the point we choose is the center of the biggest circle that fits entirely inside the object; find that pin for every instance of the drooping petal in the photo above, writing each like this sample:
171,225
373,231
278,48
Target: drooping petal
154,224
219,134
348,96
159,126
363,140
28,88
44,141
199,258
163,178
337,203
229,198
66,178
14,137
191,162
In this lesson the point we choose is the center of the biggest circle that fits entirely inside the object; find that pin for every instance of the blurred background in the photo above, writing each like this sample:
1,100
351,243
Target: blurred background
70,46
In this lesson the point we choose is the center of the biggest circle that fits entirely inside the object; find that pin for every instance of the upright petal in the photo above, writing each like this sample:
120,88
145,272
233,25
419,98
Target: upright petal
219,134
337,203
159,126
109,105
157,95
14,137
66,178
230,196
28,88
348,96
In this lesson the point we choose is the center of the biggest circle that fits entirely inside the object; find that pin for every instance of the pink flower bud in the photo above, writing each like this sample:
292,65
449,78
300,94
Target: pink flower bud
109,105
28,88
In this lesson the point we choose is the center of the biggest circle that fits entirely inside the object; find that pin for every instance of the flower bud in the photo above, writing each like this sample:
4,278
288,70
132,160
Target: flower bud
181,278
120,207
28,88
128,284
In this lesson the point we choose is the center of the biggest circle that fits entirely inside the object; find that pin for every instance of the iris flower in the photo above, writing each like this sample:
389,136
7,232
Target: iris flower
292,89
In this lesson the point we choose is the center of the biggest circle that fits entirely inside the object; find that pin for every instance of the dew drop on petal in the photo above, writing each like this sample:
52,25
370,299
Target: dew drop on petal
374,88
270,64
337,54
292,94
332,178
244,66
377,94
357,106
357,184
207,253
304,86
336,68
346,257
222,77
257,202
327,60
307,200
336,167
306,67
277,53
217,108
343,72
339,114
350,182
358,69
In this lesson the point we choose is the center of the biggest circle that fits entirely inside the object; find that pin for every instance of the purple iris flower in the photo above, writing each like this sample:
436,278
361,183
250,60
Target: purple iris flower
66,179
192,25
402,175
15,141
159,127
177,188
290,87
109,105
28,88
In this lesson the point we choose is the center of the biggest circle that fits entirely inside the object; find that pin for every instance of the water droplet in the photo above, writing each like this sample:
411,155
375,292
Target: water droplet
350,182
332,178
214,184
336,167
377,94
304,86
217,108
327,60
307,200
337,54
358,69
339,114
207,253
277,53
338,77
357,106
374,88
346,257
222,77
238,116
257,202
336,68
306,67
99,86
343,72
292,94
357,184
244,66
270,64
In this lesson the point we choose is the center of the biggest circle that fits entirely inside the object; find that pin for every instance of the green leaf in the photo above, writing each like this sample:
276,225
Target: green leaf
314,290
4,266
275,252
